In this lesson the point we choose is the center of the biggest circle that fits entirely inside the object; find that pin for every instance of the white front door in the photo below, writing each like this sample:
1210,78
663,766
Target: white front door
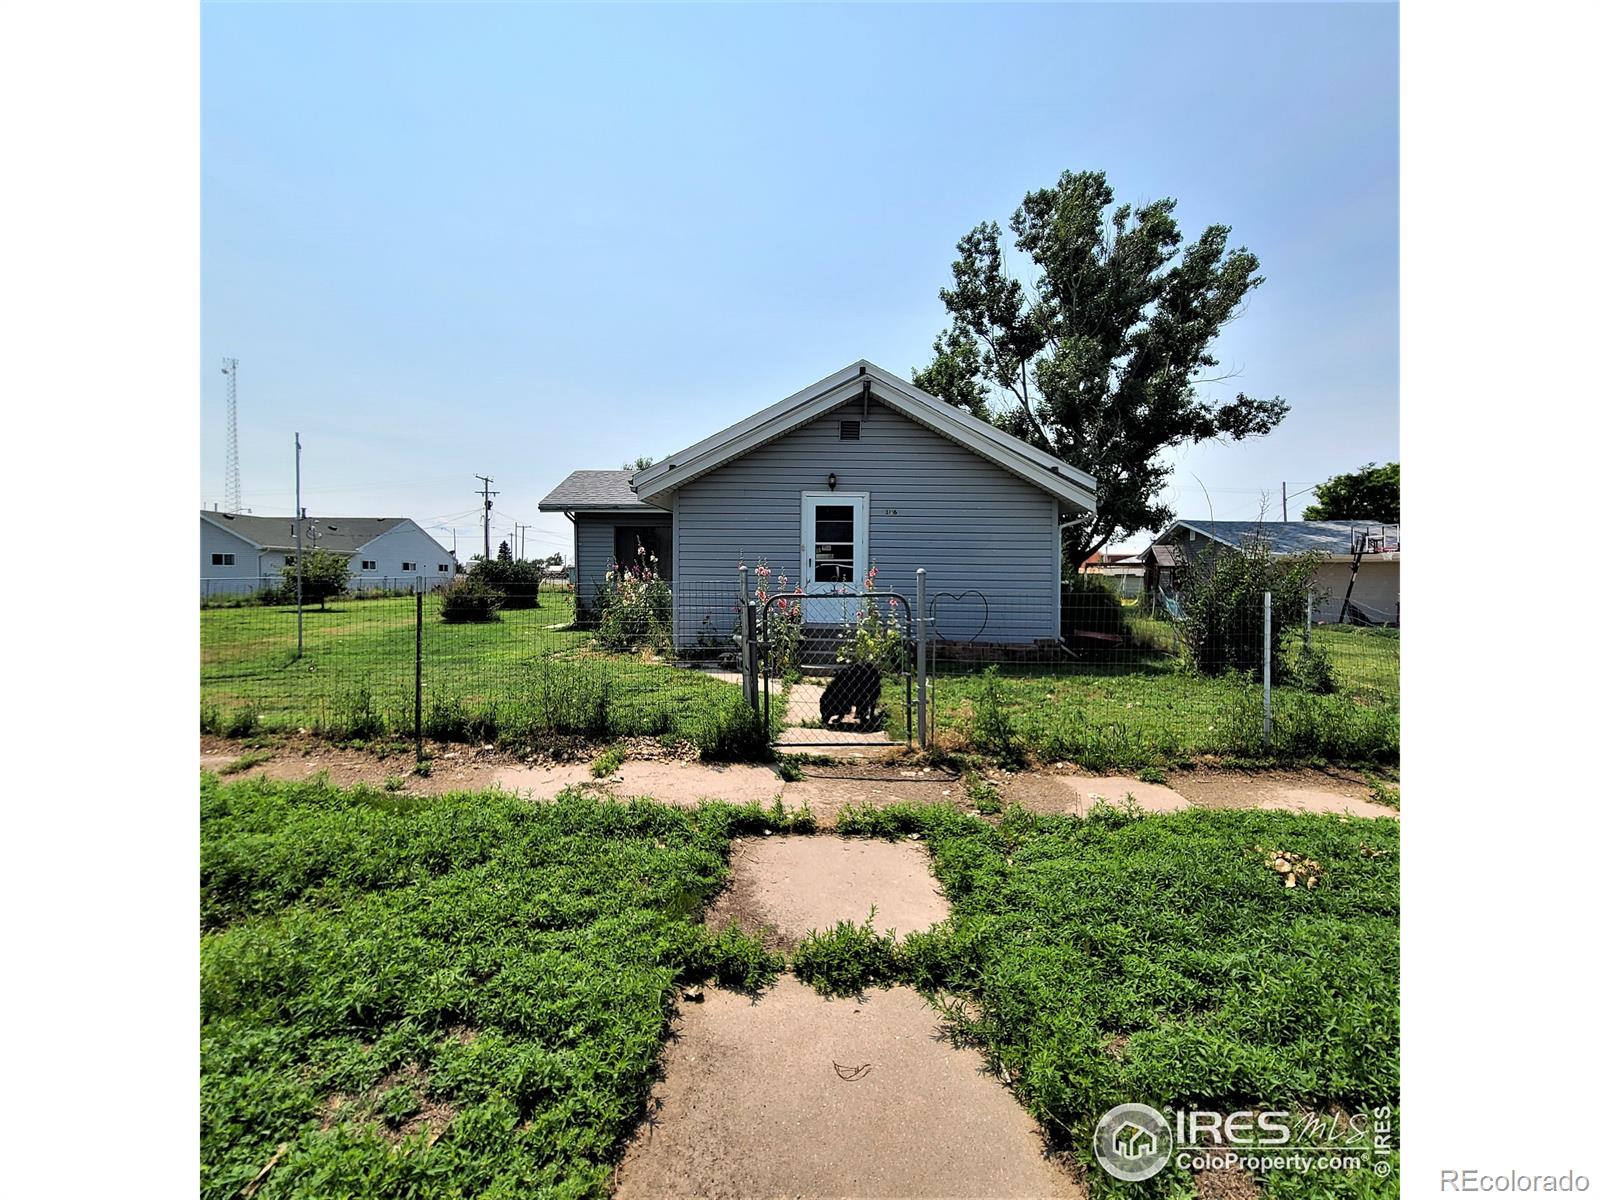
833,541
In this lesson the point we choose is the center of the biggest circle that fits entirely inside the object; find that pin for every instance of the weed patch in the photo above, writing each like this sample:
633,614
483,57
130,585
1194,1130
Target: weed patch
349,936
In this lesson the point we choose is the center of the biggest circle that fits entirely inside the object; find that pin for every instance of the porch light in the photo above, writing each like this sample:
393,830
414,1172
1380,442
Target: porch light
833,481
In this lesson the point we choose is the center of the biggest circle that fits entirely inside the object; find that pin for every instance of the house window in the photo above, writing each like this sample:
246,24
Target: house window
405,566
369,564
443,569
849,431
222,560
635,542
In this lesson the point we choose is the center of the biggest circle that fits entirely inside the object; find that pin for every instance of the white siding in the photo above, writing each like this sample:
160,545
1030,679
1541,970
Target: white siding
933,504
390,552
240,576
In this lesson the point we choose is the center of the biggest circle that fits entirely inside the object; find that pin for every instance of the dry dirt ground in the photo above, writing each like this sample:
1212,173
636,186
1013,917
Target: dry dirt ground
825,789
792,1094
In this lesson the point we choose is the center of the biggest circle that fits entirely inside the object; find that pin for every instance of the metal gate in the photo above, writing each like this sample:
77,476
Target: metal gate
834,667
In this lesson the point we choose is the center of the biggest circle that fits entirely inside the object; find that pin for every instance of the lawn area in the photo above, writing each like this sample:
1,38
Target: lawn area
526,674
465,995
1160,959
441,997
1138,706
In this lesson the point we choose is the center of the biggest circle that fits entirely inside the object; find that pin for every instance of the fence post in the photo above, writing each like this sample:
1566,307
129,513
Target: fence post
747,620
1266,667
417,711
922,657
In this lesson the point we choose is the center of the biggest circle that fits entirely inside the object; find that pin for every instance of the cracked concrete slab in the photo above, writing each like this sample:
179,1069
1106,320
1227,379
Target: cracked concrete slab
788,886
1055,793
795,1095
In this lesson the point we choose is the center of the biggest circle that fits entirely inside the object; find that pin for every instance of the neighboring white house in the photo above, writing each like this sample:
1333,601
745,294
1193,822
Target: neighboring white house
1361,559
241,552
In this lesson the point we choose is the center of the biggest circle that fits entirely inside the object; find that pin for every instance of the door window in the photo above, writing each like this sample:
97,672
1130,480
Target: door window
835,543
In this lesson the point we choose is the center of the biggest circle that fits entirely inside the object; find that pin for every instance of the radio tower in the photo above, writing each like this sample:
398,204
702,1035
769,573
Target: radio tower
234,498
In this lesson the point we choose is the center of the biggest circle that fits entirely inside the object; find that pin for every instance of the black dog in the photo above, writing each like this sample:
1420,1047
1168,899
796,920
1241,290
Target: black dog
856,687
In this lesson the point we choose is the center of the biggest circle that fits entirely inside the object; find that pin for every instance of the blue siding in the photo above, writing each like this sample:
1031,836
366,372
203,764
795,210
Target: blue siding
932,504
595,547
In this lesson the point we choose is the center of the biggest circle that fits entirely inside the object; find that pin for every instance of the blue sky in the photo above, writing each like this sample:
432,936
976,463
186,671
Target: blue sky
520,240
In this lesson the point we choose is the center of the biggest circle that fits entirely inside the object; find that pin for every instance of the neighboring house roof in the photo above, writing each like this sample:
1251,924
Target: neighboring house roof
594,491
1162,556
1335,538
344,535
1050,474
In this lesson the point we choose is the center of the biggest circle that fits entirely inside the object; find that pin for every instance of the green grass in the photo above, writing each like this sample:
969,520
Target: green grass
512,680
444,996
608,760
1121,958
1138,707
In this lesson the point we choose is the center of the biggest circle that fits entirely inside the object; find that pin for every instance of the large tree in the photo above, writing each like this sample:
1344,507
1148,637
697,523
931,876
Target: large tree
1370,494
1099,354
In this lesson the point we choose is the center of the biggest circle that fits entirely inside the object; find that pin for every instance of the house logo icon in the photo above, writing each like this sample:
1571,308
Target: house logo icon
1132,1142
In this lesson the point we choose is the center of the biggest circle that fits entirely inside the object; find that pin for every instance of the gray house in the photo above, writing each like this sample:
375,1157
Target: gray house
860,469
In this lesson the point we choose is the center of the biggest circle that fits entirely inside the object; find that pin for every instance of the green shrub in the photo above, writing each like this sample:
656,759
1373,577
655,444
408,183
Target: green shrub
1091,603
323,574
1223,592
727,731
468,599
633,607
993,730
1312,670
517,580
356,718
241,723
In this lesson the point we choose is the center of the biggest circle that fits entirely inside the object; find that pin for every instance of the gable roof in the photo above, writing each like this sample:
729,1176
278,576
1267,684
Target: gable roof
345,535
1045,471
593,491
1286,537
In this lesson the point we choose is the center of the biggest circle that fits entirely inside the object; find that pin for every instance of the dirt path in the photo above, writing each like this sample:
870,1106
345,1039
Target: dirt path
825,789
795,1095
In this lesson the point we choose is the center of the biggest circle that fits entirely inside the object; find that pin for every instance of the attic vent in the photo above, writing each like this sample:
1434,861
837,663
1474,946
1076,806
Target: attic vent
849,431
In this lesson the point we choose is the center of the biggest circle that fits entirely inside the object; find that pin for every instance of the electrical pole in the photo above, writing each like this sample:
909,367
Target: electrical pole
299,560
1283,489
487,505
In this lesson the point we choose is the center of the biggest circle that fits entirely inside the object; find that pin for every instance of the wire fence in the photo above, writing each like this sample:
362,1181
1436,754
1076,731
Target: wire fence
1124,682
1099,680
403,664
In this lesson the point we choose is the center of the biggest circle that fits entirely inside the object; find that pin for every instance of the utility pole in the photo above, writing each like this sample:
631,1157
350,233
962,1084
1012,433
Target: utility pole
1283,489
299,560
487,505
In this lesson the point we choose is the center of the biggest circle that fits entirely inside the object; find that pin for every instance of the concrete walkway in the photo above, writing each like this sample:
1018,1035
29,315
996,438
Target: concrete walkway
790,1094
794,1095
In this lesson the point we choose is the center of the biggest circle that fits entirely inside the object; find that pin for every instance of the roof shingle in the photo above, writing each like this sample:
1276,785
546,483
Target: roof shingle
590,490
